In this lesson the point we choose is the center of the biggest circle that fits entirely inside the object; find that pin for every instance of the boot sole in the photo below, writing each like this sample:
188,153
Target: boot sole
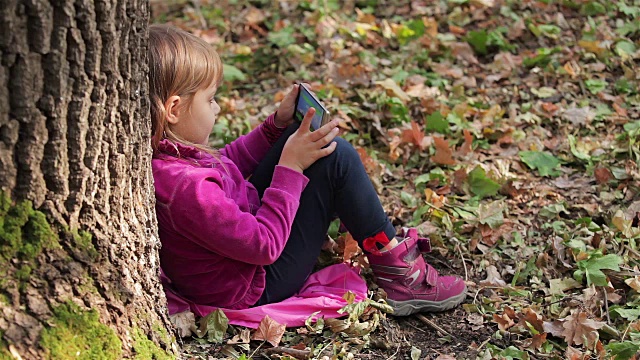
408,307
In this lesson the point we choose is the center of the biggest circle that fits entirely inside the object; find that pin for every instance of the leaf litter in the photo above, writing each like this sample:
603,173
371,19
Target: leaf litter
508,131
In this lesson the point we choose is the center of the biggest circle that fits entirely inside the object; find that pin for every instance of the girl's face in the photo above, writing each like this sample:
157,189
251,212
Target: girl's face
195,123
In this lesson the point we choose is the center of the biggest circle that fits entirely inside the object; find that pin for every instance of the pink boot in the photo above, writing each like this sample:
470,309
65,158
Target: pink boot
411,284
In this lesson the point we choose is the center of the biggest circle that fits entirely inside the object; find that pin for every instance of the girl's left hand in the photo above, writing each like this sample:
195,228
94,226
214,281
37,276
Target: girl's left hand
284,114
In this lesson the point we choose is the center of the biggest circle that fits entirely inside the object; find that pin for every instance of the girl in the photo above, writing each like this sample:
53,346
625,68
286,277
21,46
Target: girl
235,243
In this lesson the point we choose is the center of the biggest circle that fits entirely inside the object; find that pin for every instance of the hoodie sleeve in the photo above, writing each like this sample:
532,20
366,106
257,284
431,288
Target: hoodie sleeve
202,212
248,150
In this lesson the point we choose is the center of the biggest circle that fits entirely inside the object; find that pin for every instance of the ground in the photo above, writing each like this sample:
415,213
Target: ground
506,131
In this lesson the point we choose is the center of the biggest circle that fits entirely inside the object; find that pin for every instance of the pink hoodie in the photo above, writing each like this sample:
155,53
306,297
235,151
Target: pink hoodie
216,234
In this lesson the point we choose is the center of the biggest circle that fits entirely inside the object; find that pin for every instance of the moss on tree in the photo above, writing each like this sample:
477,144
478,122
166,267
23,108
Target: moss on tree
78,334
24,232
146,349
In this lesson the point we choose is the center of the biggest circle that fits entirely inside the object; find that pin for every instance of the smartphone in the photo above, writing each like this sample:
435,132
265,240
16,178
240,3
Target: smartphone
307,100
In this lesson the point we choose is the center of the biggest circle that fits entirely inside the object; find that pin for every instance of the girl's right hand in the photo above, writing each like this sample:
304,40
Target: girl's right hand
304,146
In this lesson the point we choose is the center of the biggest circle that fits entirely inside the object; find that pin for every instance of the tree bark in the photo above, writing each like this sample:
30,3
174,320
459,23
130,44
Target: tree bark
74,140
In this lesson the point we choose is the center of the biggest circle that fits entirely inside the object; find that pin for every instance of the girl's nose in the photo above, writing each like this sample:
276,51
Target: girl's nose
216,107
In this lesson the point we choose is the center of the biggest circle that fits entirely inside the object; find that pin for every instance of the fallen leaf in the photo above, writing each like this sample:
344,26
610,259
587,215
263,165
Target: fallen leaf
468,142
576,329
603,175
254,16
184,322
633,283
215,325
393,89
270,331
443,152
504,321
573,354
579,116
463,51
537,340
350,248
493,278
243,337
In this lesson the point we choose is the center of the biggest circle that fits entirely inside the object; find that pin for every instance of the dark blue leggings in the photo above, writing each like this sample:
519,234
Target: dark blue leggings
338,185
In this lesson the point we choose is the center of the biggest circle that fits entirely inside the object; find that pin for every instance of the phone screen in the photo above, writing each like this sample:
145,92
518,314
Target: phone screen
306,101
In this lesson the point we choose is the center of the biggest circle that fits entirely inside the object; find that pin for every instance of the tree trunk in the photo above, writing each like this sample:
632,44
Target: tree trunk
80,281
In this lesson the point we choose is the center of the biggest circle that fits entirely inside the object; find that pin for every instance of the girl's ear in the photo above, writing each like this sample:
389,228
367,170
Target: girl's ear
172,109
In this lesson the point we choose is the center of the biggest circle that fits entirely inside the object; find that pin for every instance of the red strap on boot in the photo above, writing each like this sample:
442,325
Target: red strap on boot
370,244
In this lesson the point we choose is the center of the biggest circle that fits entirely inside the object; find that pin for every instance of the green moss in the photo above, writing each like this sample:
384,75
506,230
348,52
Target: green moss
4,349
83,241
146,349
24,231
78,334
23,274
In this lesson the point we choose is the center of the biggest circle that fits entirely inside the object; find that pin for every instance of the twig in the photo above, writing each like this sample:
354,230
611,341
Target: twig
606,304
464,263
483,344
256,350
298,354
394,354
415,327
432,324
625,331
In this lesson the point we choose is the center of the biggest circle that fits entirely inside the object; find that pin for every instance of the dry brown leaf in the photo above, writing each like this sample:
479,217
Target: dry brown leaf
531,317
573,354
579,116
270,331
447,70
576,329
446,357
184,322
463,51
254,16
537,340
504,322
443,152
350,248
603,175
242,338
468,141
422,91
393,89
493,278
634,283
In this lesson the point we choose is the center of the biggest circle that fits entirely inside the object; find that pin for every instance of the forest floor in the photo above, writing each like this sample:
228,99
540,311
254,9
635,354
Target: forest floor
507,131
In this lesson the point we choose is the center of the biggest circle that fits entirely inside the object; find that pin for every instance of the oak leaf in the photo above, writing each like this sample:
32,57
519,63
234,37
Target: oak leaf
576,329
443,152
184,322
270,331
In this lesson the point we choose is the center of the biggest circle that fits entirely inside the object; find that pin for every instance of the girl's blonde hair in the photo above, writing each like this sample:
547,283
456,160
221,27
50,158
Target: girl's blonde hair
179,64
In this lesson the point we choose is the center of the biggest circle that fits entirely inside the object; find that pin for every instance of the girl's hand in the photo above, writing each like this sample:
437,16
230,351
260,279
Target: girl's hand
284,114
304,146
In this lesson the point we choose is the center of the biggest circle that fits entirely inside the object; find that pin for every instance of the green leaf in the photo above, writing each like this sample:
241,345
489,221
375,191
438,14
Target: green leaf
437,122
553,210
625,47
623,350
513,352
480,184
628,314
283,37
576,151
491,214
214,325
478,39
593,8
593,266
544,162
595,86
232,73
415,353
